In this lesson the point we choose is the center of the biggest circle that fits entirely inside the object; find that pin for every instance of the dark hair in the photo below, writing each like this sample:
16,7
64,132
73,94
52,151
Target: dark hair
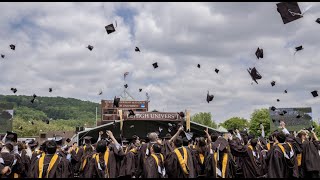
178,142
185,141
270,138
156,148
202,142
101,146
20,146
281,137
51,147
254,142
43,147
214,136
9,146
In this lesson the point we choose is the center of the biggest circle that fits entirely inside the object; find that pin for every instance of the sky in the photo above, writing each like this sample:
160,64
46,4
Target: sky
51,41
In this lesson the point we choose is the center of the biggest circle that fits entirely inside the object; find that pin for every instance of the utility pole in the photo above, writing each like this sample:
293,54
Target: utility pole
96,116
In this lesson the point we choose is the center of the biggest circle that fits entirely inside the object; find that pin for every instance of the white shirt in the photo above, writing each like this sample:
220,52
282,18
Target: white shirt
285,131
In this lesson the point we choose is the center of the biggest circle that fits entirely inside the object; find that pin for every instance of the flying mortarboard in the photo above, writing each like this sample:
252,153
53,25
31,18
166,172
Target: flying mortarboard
13,47
254,74
278,100
284,112
137,49
216,70
298,48
273,108
181,114
140,90
285,91
126,85
273,120
116,102
50,89
90,47
100,93
34,95
198,65
318,20
68,140
273,83
209,97
47,121
314,93
298,116
14,90
155,65
131,113
289,11
259,53
2,55
110,28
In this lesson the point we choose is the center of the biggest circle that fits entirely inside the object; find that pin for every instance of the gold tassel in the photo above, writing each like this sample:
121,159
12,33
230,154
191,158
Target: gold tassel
121,120
188,121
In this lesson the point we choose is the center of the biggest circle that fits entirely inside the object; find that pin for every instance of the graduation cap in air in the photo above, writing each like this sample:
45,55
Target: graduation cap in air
298,48
90,47
289,11
140,90
209,97
198,65
285,91
126,85
254,74
273,120
216,70
2,55
100,93
116,102
181,114
50,89
273,108
20,128
34,96
314,93
32,100
259,53
284,112
298,116
110,28
14,90
273,83
281,114
188,135
278,100
131,113
13,47
155,65
318,20
137,49
68,140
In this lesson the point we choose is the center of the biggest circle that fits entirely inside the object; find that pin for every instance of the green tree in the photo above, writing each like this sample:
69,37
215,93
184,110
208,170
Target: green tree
204,118
235,123
257,117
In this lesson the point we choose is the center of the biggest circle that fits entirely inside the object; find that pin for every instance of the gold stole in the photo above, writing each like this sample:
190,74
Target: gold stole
201,158
133,150
282,148
299,158
156,158
268,146
77,149
224,163
106,160
51,164
183,160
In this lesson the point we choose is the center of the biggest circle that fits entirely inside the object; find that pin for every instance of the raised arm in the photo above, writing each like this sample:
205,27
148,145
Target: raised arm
208,136
176,135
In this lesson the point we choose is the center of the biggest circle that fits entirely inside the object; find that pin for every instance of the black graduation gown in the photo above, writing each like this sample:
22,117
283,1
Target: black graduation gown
57,170
140,171
76,160
84,166
16,168
198,165
174,169
281,167
129,164
310,163
152,168
25,161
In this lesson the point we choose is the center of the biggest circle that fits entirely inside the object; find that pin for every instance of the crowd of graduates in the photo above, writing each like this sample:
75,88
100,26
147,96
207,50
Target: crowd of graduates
232,154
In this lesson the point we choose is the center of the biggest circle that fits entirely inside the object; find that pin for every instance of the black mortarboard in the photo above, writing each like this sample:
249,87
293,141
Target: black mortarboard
318,20
110,28
100,93
155,65
90,47
314,93
13,47
278,100
216,70
58,140
131,113
273,120
273,108
32,100
50,89
222,142
11,136
116,102
285,91
168,136
34,96
209,97
273,83
281,114
2,55
126,85
289,11
14,90
284,112
259,53
198,65
137,49
299,48
298,116
47,121
140,90
181,114
68,140
254,74
32,123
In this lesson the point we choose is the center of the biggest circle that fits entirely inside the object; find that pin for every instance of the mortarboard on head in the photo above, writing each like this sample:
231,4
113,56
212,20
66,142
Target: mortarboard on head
68,140
314,93
278,100
116,102
318,20
220,144
137,49
230,131
273,83
90,47
131,113
259,53
285,91
2,55
155,65
181,114
216,70
50,89
110,28
254,74
289,11
140,90
126,86
32,143
273,108
13,47
209,97
198,65
14,90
